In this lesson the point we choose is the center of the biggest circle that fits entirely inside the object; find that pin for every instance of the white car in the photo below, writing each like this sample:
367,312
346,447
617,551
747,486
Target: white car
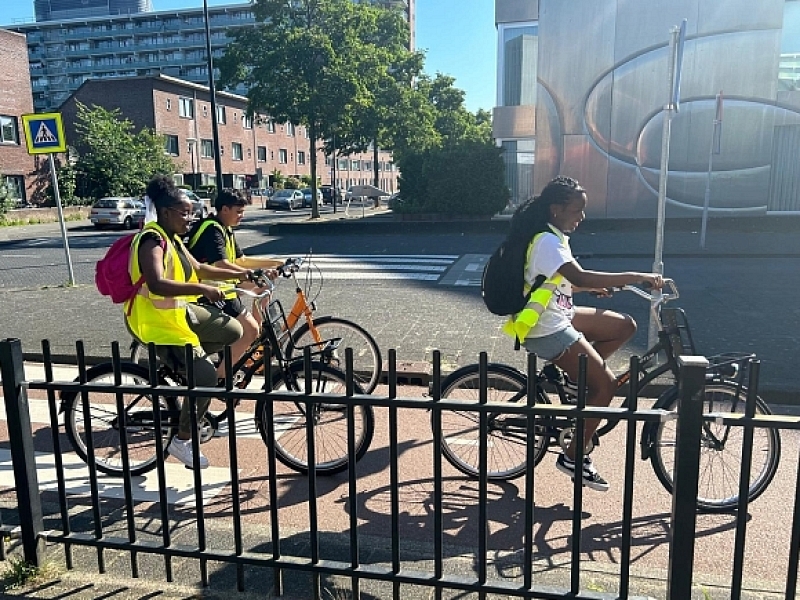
123,212
198,204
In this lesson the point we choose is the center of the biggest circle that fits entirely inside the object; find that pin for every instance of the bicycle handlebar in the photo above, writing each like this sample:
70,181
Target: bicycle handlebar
660,298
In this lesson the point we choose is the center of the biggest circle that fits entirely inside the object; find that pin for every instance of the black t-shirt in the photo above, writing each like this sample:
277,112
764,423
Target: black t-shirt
210,246
187,266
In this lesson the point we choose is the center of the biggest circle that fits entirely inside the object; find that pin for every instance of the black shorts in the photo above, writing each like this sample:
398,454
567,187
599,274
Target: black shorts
232,307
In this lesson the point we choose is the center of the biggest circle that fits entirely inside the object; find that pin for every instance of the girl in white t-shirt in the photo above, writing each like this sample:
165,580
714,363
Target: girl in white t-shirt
564,331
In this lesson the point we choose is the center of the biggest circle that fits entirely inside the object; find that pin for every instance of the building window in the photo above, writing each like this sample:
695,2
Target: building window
283,156
171,145
8,130
169,103
262,154
519,50
343,164
222,118
290,129
205,110
301,157
270,126
206,148
247,122
236,151
355,165
15,186
186,107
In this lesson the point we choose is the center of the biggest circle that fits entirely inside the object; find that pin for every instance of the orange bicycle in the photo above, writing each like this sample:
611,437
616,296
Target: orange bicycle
315,332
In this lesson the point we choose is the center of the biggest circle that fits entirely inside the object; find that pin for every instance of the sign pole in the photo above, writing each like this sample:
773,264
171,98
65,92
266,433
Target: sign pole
57,196
673,73
715,149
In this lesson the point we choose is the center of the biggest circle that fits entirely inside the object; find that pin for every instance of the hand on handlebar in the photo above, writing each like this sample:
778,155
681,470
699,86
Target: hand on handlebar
653,280
212,293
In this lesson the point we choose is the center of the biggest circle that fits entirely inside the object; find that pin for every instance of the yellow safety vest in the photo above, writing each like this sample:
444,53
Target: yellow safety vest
155,318
230,245
518,326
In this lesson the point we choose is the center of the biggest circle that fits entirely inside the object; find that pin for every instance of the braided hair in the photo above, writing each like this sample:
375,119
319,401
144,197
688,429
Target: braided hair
533,216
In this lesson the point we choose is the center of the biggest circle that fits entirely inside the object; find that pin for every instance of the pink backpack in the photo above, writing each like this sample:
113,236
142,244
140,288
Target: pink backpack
111,275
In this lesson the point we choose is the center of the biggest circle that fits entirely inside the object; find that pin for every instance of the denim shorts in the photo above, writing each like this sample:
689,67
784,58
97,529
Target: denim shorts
550,347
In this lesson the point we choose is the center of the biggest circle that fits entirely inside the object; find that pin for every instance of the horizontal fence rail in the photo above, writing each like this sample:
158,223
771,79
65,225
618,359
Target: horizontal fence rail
156,528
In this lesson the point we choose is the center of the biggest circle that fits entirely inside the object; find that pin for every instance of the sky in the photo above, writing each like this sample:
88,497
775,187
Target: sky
458,37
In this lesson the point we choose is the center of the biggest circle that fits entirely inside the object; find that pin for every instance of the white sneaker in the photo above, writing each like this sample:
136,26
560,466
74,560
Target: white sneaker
182,450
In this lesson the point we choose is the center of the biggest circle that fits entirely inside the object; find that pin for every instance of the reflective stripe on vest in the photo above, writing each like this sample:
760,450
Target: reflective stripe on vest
519,326
230,246
159,319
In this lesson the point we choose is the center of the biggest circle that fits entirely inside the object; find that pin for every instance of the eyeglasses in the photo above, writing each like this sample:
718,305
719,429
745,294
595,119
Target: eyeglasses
187,216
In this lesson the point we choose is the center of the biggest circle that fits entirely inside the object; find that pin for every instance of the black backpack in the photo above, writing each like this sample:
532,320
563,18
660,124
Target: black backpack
504,278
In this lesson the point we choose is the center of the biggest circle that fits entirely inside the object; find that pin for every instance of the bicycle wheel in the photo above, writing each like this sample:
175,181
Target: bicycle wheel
104,421
507,433
720,450
329,421
367,362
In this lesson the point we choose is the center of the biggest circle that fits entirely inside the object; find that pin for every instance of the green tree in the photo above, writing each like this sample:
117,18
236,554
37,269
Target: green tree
113,158
313,63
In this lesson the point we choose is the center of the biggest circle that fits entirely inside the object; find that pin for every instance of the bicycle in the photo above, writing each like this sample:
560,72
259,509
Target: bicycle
315,332
99,430
724,393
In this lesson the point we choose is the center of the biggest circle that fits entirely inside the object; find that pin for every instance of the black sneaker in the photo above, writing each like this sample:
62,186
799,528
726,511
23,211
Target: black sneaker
591,478
570,387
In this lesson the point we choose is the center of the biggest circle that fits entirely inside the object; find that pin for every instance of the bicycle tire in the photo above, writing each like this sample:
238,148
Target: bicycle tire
715,472
106,439
330,421
507,440
367,360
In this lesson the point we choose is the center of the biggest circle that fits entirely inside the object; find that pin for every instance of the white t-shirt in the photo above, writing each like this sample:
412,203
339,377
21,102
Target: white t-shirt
547,255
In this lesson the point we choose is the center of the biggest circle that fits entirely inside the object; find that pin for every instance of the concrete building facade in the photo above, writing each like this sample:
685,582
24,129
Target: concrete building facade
18,170
250,149
582,86
58,10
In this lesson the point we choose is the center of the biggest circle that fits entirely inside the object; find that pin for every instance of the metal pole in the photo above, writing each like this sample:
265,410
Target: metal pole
57,197
691,397
20,436
658,262
213,93
333,179
707,197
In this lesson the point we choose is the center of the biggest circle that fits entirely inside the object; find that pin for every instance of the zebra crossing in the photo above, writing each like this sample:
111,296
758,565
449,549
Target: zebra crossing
444,269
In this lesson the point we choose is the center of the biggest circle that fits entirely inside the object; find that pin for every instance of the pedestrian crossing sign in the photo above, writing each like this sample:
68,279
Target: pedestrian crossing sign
44,133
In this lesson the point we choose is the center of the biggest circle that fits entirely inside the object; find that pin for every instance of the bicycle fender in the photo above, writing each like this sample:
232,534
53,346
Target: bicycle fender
648,438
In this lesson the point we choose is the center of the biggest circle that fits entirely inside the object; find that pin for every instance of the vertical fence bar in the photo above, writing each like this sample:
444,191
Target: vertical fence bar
394,472
530,452
313,519
90,461
352,474
794,545
236,509
268,420
744,482
166,535
483,486
438,525
126,460
29,504
627,492
192,398
55,427
691,386
577,487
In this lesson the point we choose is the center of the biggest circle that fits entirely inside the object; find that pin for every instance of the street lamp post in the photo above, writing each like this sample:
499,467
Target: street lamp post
192,143
213,93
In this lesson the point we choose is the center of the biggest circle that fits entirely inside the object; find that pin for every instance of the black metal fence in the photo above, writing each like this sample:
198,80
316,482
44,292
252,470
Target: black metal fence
140,528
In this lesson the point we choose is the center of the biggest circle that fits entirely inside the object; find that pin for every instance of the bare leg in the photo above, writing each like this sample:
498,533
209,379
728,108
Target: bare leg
606,329
599,379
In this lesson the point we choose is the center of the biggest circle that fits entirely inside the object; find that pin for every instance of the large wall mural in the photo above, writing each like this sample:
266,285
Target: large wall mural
603,85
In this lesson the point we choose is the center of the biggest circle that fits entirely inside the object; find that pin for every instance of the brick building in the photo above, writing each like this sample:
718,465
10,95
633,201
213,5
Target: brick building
181,111
18,169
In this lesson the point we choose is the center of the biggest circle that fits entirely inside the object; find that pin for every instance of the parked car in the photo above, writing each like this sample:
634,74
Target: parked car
394,201
124,212
328,193
288,199
199,204
307,197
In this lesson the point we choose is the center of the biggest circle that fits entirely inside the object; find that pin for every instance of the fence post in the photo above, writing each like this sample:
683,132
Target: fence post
29,504
691,393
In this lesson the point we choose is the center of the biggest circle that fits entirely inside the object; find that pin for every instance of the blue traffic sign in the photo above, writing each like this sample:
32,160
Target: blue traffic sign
44,133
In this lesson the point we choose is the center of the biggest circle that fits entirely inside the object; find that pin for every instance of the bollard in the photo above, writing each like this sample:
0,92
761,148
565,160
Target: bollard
20,435
691,396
